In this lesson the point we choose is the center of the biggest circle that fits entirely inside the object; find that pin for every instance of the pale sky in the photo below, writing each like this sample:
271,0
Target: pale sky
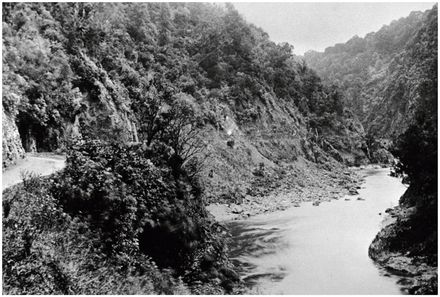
315,26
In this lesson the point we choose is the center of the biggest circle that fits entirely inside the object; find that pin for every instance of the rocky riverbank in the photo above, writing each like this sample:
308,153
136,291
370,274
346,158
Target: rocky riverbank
418,274
303,184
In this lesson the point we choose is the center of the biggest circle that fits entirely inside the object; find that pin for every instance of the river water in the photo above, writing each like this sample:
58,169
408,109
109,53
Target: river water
319,249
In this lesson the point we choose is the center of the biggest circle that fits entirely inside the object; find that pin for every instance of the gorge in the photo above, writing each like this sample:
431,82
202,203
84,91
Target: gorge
171,115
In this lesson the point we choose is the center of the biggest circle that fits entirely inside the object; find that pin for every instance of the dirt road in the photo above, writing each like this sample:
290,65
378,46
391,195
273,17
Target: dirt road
40,164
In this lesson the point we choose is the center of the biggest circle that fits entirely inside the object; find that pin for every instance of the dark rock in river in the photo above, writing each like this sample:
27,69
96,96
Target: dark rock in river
353,191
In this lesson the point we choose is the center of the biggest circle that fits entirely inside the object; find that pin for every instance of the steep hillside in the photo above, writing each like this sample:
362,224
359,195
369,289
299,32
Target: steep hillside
379,74
160,108
409,245
113,71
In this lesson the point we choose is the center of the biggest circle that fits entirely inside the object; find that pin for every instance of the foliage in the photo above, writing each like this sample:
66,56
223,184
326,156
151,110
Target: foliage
417,147
162,72
417,151
377,74
46,250
106,65
139,206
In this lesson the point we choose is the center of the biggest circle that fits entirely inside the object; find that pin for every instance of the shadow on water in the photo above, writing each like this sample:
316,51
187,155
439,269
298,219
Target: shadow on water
318,250
256,242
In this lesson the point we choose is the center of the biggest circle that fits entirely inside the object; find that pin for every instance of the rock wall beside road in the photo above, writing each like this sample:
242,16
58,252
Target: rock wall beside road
11,142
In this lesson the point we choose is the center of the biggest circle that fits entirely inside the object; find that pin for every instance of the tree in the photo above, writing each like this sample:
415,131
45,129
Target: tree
417,147
182,132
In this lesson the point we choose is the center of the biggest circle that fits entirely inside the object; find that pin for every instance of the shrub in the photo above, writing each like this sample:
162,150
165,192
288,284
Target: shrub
47,251
131,197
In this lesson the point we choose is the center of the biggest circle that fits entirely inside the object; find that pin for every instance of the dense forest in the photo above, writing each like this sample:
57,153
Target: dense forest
124,66
162,108
381,73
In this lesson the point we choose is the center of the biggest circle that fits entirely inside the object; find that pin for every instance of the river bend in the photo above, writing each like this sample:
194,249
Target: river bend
319,249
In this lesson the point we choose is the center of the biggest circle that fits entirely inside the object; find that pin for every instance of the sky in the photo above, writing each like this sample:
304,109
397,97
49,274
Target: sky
315,26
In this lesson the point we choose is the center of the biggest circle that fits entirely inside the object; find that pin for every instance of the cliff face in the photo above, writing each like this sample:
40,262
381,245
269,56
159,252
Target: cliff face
11,141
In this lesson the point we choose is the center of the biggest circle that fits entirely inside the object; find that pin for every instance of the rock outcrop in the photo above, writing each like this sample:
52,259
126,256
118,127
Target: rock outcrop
418,273
11,141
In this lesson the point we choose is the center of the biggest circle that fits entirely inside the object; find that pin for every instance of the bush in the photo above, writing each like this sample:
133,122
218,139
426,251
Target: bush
137,204
101,225
47,251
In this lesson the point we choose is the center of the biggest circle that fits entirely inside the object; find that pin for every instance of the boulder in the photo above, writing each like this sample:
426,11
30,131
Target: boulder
353,191
236,209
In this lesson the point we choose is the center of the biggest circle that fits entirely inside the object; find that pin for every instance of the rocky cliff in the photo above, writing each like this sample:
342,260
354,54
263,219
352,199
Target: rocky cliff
11,141
405,248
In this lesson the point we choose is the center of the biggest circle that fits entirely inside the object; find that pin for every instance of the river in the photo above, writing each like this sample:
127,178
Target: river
319,249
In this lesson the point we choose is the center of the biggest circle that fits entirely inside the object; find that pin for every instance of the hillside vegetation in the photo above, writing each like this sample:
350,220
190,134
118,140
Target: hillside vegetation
123,71
160,108
414,234
380,74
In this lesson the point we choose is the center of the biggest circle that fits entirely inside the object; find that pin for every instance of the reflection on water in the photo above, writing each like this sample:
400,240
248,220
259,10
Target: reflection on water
318,250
